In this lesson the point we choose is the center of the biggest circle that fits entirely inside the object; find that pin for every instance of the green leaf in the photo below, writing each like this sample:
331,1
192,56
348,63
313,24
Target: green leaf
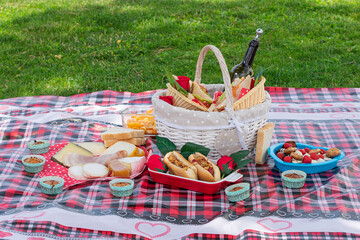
161,170
165,145
175,84
190,148
258,75
226,170
238,158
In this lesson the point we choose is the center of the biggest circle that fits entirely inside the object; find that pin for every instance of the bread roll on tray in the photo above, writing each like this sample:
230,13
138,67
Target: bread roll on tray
179,166
206,169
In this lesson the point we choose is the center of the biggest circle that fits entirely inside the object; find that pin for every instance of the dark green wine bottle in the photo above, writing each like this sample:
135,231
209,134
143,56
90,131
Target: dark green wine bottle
244,68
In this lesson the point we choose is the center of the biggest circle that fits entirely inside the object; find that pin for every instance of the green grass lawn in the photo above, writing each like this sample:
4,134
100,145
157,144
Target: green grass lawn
74,46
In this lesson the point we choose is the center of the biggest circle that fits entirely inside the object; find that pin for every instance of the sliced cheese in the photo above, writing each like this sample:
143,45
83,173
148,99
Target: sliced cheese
96,148
140,153
131,149
69,148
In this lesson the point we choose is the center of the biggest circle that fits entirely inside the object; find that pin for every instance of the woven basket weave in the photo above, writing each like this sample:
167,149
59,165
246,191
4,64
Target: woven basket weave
222,132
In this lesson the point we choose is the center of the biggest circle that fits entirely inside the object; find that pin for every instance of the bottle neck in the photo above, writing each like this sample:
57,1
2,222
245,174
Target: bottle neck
251,51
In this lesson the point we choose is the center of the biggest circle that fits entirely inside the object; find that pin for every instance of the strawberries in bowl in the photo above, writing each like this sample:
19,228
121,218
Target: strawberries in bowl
304,157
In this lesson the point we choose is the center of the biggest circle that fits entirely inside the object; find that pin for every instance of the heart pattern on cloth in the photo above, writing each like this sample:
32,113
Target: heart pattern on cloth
153,230
27,215
326,105
274,225
5,234
35,238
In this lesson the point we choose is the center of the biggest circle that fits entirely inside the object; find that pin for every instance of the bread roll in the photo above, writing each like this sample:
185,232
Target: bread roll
179,166
206,169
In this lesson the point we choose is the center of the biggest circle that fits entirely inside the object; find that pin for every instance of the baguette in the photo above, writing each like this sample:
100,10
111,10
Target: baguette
206,169
179,166
264,137
121,133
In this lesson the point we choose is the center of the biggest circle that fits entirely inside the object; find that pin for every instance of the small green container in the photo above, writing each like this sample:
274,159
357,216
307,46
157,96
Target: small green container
121,191
49,189
38,146
293,182
33,167
238,195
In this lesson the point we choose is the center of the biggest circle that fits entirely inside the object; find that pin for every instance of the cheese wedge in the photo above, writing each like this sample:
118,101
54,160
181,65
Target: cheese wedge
131,149
96,148
69,148
135,164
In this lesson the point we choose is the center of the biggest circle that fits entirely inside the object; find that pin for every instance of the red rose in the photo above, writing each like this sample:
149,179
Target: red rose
168,99
224,160
155,164
184,82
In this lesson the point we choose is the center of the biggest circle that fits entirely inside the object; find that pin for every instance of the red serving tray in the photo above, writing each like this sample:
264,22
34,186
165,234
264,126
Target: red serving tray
195,185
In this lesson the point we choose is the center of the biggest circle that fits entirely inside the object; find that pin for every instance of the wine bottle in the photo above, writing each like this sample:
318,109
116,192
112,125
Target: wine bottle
244,68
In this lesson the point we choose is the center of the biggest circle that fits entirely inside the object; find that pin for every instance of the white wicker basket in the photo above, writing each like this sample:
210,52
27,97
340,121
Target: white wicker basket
222,132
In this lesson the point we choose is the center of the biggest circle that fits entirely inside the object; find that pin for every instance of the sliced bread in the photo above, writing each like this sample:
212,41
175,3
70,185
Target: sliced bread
264,137
122,133
135,141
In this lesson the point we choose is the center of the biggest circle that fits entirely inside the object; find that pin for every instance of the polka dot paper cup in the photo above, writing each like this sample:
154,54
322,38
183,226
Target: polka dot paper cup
121,187
52,185
33,163
38,146
238,192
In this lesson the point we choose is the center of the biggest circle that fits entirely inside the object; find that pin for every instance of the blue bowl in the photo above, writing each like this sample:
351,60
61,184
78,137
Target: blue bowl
238,195
49,189
293,182
33,167
38,146
124,191
306,167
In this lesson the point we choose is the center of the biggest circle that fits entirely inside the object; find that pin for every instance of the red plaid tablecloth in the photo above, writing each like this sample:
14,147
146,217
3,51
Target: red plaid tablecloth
322,117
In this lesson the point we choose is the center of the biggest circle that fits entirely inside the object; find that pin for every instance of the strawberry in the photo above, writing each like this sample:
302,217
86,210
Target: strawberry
307,150
280,155
321,156
322,151
287,159
306,159
314,156
287,145
302,151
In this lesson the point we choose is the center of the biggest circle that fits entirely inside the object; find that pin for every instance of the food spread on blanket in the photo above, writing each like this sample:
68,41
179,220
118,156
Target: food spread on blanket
291,154
181,89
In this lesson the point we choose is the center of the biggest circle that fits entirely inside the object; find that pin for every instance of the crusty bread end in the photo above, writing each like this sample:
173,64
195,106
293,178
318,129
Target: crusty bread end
264,137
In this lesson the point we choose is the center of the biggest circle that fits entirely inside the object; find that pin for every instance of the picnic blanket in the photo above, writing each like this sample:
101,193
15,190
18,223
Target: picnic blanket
327,207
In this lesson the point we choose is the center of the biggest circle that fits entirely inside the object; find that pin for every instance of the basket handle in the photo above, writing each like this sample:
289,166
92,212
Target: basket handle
224,71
